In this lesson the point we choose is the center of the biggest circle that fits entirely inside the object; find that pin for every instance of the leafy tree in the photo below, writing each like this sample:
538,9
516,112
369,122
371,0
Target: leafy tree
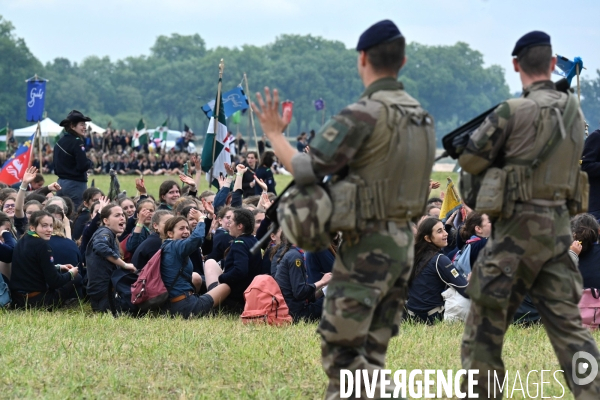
590,102
16,65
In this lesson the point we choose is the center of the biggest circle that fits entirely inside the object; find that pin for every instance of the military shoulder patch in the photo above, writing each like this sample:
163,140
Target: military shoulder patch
298,262
454,272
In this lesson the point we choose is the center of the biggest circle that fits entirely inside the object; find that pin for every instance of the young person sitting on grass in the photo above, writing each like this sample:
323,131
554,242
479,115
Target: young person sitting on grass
431,274
168,193
240,266
36,279
145,211
102,256
90,195
144,252
177,270
305,300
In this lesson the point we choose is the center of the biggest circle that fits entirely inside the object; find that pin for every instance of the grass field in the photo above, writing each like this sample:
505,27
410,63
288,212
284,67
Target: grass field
73,353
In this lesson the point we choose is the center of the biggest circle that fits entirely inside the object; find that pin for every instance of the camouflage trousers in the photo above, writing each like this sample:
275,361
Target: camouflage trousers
526,253
365,300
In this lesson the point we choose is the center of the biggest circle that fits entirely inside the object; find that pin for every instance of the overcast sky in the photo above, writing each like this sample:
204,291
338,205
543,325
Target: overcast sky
120,28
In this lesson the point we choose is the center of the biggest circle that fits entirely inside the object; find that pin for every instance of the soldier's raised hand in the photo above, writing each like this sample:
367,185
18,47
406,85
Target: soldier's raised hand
271,121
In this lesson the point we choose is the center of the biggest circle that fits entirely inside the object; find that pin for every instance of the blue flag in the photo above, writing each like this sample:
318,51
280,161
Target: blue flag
233,100
36,94
319,104
567,68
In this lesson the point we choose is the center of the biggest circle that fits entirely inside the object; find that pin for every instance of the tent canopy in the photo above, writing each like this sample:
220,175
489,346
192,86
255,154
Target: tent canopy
47,126
95,128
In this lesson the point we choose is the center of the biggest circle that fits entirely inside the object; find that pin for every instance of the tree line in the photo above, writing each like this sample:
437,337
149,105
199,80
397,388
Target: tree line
180,75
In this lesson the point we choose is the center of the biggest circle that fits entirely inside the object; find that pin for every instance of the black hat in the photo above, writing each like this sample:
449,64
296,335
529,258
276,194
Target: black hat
73,118
535,38
382,31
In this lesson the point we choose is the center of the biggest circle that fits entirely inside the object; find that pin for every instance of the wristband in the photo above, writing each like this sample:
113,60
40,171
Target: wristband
265,192
57,266
239,174
139,225
72,274
23,188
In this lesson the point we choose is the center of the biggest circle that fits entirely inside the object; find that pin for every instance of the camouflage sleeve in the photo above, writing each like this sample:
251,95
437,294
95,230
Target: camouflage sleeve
485,143
340,138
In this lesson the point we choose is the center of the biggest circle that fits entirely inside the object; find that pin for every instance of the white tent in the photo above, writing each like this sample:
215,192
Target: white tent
47,126
95,128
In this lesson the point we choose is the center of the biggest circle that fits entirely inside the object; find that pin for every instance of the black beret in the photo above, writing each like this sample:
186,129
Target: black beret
535,38
382,31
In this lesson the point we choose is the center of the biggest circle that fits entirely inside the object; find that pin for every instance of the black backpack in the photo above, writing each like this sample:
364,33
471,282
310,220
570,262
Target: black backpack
119,293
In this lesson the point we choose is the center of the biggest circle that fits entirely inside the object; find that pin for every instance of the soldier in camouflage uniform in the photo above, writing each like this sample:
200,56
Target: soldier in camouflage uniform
385,143
528,250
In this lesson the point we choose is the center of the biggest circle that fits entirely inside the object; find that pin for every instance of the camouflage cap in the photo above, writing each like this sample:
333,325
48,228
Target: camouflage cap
304,214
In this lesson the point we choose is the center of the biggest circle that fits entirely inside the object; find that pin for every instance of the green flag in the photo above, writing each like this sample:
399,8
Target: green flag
216,140
161,131
236,117
140,135
3,132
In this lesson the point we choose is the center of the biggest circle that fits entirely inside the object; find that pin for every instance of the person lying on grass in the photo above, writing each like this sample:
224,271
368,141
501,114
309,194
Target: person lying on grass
36,280
177,270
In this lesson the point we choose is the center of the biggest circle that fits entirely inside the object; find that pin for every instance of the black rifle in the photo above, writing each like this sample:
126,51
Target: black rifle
455,141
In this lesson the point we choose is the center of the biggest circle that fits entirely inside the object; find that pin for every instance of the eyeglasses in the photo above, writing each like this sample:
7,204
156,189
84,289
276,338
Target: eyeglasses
9,205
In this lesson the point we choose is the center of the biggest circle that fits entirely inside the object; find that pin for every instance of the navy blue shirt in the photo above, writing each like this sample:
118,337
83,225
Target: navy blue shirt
425,293
590,163
292,279
318,264
65,251
267,177
589,266
240,267
146,250
221,241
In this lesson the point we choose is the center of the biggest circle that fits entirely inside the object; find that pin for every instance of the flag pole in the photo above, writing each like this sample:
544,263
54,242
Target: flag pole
323,114
38,131
216,121
40,147
252,119
578,86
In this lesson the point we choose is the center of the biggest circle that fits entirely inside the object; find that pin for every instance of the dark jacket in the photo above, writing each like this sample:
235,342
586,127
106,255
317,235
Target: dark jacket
221,241
590,163
70,159
146,250
247,179
588,266
425,292
240,267
7,248
318,264
292,279
266,175
82,219
33,266
136,239
176,254
103,244
65,251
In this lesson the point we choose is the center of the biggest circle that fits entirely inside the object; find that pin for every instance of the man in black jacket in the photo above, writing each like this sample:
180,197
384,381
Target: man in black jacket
71,163
590,163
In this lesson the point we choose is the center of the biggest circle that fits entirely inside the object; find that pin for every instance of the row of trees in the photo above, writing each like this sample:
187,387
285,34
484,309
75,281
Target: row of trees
180,75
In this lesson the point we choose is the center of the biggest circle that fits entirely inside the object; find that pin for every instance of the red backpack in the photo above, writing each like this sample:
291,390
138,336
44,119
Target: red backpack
127,256
265,303
149,291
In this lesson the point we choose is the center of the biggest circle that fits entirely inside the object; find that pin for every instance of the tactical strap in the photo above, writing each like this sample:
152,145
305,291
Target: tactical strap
565,122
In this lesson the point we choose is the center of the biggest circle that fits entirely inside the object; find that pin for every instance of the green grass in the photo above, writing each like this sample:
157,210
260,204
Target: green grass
74,354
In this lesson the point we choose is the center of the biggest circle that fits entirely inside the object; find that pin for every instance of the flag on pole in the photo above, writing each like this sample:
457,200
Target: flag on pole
140,135
233,100
319,104
221,146
567,68
451,202
161,131
14,168
236,117
3,133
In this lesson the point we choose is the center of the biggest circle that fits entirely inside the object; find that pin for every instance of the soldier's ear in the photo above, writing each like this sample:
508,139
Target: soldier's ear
516,64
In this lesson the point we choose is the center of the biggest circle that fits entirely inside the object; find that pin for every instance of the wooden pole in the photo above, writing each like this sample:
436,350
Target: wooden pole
40,146
216,119
252,120
323,114
38,132
578,86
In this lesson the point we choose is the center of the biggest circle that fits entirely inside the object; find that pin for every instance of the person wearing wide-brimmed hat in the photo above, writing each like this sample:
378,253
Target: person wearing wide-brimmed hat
71,163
